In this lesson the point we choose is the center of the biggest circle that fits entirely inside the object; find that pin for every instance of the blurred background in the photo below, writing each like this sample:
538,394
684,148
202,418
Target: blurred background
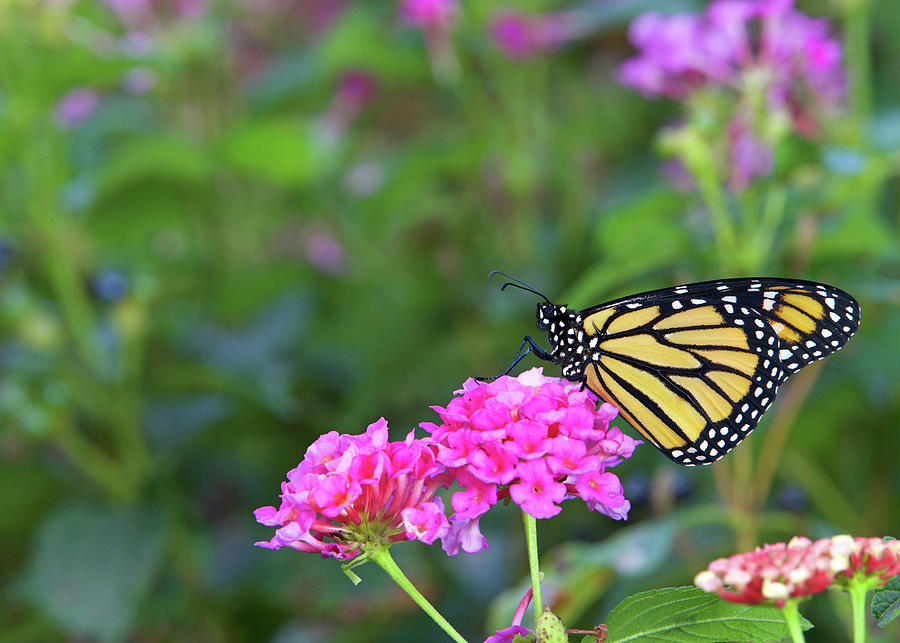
229,227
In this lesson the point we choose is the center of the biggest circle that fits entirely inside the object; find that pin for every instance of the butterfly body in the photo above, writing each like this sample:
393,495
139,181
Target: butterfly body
694,367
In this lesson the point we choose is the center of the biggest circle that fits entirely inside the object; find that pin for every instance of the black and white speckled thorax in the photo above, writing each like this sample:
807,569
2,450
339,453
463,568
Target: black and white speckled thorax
565,334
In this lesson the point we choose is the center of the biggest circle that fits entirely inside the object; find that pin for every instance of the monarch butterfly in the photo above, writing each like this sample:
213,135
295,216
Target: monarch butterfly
694,367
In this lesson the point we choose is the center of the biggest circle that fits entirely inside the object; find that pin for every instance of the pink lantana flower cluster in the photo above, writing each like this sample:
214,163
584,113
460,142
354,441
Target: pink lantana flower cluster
534,439
355,490
778,572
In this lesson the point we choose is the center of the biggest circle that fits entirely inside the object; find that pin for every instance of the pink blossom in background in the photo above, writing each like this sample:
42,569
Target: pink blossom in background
140,14
350,491
139,80
325,253
537,440
751,157
428,14
75,107
520,35
132,13
357,86
679,54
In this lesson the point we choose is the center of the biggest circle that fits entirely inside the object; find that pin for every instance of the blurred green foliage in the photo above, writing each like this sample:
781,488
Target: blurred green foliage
230,252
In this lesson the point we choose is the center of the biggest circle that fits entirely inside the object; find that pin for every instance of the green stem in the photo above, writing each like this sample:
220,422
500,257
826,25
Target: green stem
533,563
382,557
792,619
772,214
856,44
858,603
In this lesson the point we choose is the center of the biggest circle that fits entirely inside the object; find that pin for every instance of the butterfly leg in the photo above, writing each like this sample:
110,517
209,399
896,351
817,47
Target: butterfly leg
527,346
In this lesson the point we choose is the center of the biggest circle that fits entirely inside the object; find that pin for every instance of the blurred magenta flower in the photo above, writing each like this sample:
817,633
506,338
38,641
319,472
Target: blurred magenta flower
352,491
355,89
519,35
798,59
750,155
357,86
429,14
324,252
75,107
773,573
537,440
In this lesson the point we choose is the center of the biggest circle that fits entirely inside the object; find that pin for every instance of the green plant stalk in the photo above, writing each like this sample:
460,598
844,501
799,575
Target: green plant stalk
859,64
90,461
797,392
764,237
857,592
695,153
382,557
792,619
533,564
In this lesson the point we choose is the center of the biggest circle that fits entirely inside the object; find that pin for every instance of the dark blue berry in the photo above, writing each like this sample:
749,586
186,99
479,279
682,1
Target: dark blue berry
109,286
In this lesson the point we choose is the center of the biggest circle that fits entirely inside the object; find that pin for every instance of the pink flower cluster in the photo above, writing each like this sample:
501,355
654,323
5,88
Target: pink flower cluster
352,490
537,440
780,571
682,52
429,14
520,35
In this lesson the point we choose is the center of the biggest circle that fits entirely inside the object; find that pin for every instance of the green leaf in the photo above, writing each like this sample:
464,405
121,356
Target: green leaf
886,602
90,567
278,151
687,614
156,158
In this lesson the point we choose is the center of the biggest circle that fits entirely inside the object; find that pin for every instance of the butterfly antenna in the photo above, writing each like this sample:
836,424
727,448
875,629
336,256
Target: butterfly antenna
518,283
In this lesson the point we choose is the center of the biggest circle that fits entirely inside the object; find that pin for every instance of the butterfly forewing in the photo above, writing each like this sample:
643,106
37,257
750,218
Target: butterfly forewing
694,367
693,378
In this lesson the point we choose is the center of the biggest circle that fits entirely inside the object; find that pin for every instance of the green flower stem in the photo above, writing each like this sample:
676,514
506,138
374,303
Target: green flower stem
763,240
792,619
381,556
696,154
533,563
858,603
859,65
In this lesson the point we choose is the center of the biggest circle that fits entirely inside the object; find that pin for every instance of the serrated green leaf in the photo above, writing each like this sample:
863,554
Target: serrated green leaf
886,602
687,614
